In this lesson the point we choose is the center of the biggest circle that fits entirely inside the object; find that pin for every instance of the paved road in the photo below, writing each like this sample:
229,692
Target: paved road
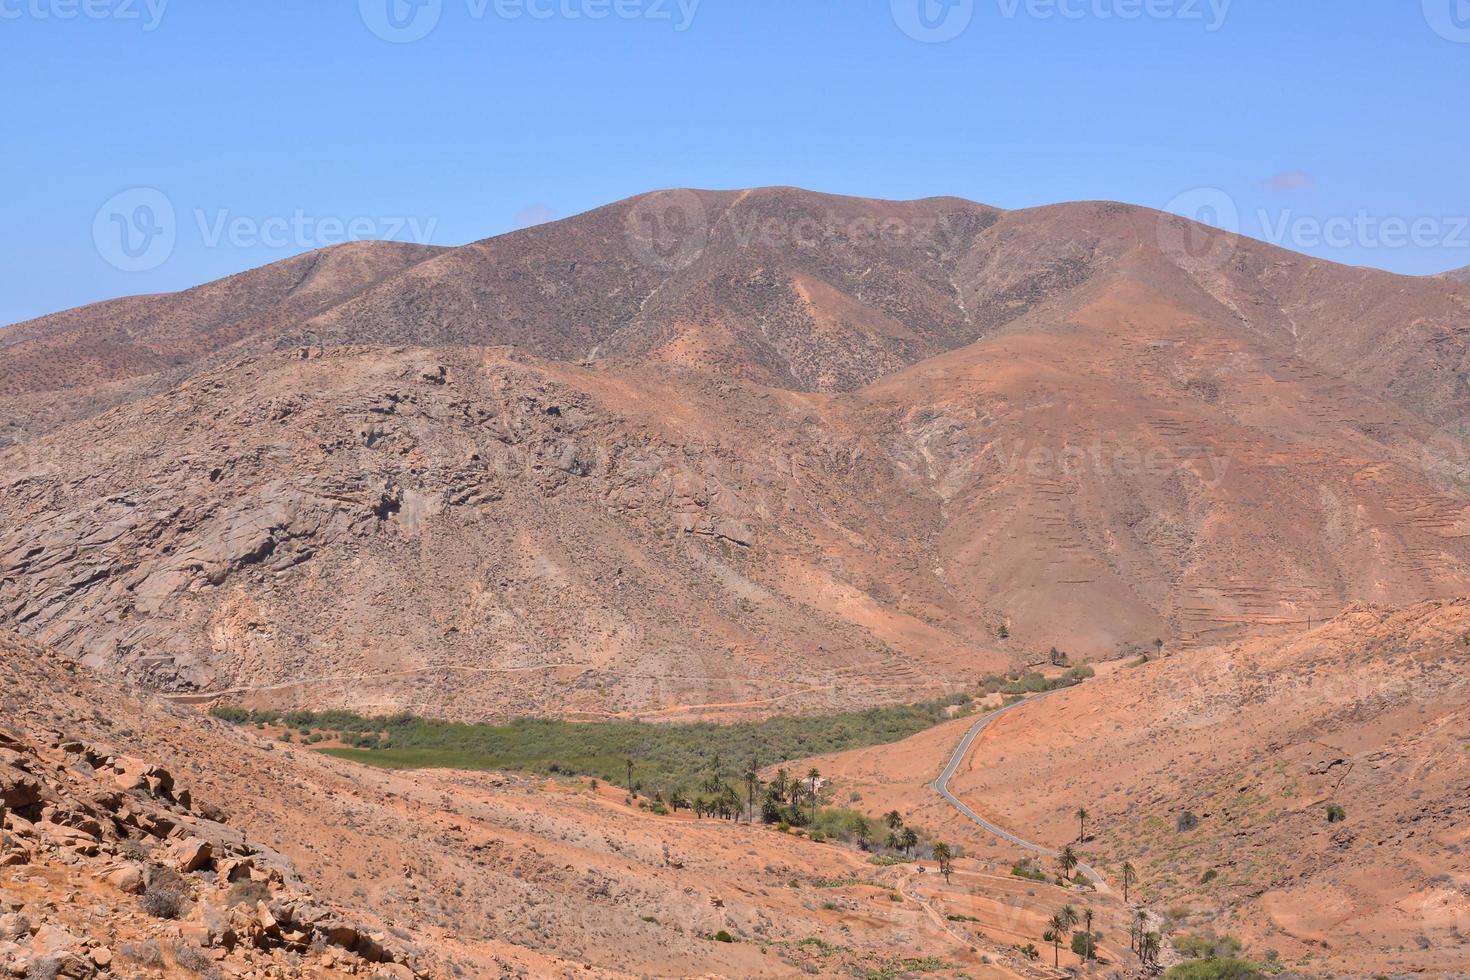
941,786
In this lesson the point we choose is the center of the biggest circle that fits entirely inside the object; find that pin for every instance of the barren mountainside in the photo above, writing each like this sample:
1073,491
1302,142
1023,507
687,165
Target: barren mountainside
720,453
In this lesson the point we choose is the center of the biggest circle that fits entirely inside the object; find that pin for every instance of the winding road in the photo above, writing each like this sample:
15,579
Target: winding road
961,752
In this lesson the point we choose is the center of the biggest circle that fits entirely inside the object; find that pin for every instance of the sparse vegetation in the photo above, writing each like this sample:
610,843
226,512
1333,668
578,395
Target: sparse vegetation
1336,814
1026,869
1216,969
668,757
1019,683
166,893
1207,946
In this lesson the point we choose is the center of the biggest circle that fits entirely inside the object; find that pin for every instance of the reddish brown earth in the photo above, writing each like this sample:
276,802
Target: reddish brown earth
818,457
729,454
455,875
1256,740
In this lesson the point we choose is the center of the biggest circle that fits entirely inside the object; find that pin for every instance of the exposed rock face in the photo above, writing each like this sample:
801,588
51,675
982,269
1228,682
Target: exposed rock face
79,815
818,464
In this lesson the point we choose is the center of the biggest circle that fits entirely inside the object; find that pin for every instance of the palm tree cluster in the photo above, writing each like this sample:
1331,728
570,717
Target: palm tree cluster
1143,942
787,799
1059,930
900,838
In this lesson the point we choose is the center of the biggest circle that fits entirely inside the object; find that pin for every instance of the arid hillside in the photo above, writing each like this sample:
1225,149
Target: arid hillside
728,453
1306,794
283,863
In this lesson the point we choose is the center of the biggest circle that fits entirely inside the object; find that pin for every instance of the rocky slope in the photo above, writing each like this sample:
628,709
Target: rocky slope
733,451
284,863
109,865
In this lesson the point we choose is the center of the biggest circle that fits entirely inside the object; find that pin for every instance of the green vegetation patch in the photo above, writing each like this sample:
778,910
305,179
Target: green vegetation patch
664,756
1019,684
1226,968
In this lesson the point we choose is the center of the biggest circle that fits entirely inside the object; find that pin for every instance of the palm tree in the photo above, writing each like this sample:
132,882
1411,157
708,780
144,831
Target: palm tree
862,830
910,840
1087,921
814,776
751,778
945,857
1152,943
894,841
781,777
1082,824
1056,929
1130,878
1068,916
1140,926
1068,860
630,775
893,819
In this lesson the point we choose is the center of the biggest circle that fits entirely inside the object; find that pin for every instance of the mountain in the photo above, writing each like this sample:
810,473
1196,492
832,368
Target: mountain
1458,275
718,453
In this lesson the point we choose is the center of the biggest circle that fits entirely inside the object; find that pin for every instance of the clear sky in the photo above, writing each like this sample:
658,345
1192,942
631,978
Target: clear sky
268,127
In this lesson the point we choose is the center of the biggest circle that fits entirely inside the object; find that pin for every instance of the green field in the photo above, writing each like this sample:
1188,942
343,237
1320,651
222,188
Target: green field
665,757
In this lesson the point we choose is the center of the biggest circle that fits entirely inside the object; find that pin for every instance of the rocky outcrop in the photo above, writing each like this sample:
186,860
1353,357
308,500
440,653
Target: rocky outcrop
78,816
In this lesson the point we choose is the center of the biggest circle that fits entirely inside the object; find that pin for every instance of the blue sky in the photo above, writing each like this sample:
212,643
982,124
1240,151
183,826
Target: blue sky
272,126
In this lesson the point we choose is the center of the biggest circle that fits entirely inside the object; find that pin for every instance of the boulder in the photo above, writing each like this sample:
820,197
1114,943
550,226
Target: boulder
127,879
192,854
14,927
17,789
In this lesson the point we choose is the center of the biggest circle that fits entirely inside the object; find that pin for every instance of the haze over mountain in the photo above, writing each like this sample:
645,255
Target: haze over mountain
720,452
